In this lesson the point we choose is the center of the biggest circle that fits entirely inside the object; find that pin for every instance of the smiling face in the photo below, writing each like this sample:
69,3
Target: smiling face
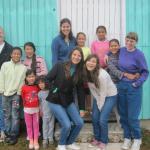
81,40
91,64
101,34
16,55
130,43
65,28
114,47
76,57
29,51
31,79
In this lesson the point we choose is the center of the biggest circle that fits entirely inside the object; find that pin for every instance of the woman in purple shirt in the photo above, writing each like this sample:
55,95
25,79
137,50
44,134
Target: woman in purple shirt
131,60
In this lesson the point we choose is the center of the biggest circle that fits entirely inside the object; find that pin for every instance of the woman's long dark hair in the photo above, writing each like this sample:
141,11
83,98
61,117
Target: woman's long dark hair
33,64
79,66
66,20
92,76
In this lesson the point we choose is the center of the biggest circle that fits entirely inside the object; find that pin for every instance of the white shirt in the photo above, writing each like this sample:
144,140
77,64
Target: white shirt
107,88
1,46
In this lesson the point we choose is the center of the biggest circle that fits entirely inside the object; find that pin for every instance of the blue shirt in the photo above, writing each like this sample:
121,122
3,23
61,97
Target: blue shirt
133,62
61,49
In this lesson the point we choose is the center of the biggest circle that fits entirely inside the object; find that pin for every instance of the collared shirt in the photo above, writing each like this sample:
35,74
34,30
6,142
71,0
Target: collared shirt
61,49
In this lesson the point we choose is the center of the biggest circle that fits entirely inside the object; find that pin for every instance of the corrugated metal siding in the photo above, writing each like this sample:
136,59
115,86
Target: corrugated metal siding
86,15
138,19
30,20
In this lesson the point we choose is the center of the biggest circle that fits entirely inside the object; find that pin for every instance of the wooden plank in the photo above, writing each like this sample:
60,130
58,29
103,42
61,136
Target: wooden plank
90,20
74,16
85,19
79,12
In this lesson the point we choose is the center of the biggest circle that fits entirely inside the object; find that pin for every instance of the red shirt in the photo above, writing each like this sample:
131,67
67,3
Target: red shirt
29,95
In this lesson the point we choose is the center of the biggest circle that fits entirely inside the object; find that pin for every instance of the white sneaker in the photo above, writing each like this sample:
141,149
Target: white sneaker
61,147
73,146
136,144
126,145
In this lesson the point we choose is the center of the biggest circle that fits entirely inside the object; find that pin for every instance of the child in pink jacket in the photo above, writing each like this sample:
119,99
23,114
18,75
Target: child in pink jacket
100,47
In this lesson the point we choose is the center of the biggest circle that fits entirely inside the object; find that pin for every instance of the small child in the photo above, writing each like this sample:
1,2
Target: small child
30,99
12,76
112,63
100,47
47,116
81,38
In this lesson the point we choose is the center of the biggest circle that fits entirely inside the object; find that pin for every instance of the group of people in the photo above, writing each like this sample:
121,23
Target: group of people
113,75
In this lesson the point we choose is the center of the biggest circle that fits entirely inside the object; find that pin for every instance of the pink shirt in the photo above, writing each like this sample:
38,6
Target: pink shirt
41,68
100,48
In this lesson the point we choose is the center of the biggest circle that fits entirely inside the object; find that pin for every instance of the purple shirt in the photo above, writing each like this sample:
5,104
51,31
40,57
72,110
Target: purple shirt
133,62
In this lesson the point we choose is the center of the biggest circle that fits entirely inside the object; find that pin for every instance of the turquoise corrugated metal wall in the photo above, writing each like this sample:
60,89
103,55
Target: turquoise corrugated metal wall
30,20
138,19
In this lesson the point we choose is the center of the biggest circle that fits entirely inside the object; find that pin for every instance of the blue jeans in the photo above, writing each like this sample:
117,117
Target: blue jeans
11,107
100,118
2,125
70,121
129,105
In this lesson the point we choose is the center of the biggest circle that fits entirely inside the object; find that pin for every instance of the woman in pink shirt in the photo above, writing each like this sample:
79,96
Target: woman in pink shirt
100,47
34,62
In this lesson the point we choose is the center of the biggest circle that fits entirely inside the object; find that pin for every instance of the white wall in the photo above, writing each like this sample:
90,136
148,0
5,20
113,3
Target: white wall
86,15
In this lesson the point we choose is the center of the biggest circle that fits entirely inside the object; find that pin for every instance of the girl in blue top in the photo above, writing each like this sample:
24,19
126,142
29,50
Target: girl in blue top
63,43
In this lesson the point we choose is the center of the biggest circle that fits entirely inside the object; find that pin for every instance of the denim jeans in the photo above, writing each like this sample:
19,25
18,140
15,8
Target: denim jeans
129,105
2,125
100,118
11,107
70,121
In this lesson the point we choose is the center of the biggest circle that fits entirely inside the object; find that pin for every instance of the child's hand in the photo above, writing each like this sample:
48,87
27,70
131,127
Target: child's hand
137,75
132,76
41,113
82,113
105,59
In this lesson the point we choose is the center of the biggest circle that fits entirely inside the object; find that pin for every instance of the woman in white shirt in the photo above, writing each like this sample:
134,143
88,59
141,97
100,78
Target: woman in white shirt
105,96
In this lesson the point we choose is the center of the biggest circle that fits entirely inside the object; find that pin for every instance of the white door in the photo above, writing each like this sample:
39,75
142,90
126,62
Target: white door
86,15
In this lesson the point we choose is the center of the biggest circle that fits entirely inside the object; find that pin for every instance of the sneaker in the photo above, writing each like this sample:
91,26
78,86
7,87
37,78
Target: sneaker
36,146
126,145
136,144
101,146
51,141
61,147
45,144
13,141
31,146
73,146
94,143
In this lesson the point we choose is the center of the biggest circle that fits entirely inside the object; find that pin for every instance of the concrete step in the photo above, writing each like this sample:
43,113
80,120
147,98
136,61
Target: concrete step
110,146
86,134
